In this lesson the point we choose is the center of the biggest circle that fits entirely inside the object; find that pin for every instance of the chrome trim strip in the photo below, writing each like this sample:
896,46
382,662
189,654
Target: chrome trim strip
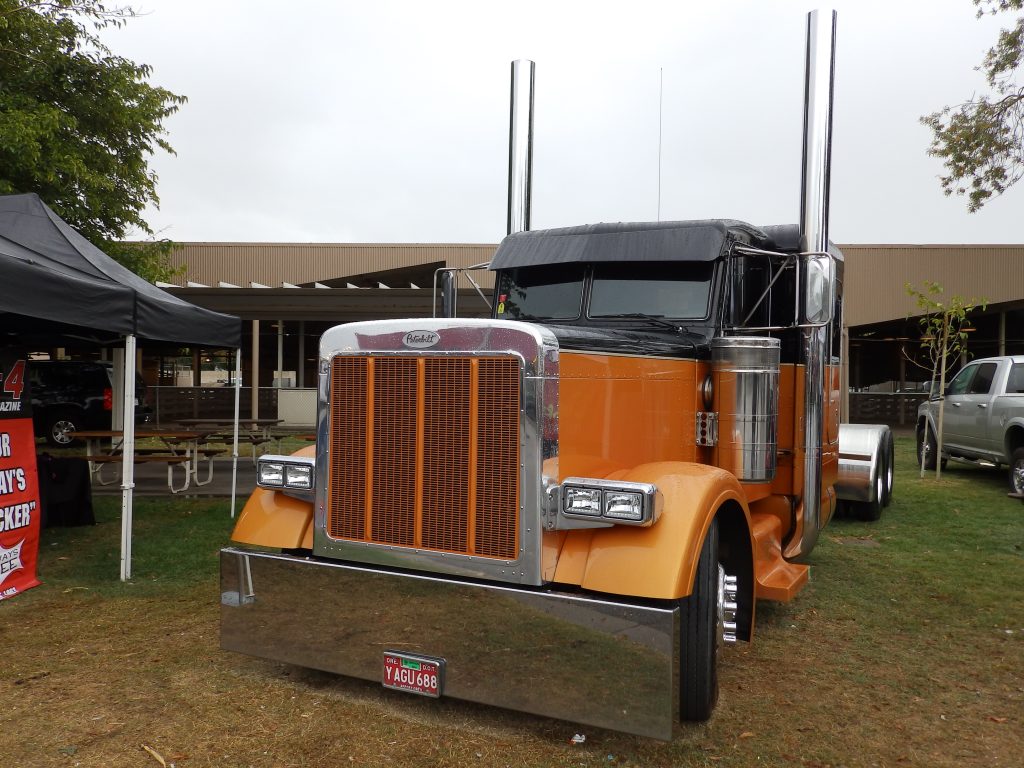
577,658
537,350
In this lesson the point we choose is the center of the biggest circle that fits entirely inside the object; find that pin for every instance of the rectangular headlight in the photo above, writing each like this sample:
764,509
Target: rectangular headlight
298,476
623,505
270,473
582,501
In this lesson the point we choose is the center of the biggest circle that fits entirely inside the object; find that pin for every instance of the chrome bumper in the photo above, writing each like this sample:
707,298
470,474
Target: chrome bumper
561,655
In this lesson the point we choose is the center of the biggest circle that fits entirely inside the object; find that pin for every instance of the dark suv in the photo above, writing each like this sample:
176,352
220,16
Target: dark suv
69,395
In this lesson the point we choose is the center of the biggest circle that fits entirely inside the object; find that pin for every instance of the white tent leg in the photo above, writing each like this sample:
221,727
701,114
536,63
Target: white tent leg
128,457
234,446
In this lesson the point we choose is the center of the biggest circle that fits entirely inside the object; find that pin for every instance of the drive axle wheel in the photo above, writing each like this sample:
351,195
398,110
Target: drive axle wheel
708,622
1017,472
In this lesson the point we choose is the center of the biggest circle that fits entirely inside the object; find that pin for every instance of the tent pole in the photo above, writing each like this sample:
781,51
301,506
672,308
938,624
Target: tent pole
128,457
234,447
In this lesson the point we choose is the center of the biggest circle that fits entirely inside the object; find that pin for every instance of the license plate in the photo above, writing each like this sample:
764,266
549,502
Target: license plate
416,674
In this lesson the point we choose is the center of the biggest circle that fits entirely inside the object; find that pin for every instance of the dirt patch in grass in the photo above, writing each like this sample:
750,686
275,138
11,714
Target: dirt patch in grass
908,651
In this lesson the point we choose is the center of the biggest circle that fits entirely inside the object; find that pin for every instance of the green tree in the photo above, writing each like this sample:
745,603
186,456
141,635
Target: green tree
78,124
981,141
943,339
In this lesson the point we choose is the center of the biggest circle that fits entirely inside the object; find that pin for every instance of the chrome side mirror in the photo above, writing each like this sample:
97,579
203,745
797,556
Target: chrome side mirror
819,289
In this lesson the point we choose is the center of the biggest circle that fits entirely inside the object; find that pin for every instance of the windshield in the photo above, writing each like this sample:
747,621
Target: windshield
554,293
655,288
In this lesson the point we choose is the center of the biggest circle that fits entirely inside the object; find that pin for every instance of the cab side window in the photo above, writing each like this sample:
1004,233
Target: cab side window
1015,384
981,384
962,381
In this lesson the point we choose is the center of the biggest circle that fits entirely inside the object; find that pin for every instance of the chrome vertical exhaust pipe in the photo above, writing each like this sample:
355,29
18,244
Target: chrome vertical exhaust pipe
520,147
814,208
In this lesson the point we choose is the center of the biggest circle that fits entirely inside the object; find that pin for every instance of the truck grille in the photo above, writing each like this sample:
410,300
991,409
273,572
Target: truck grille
424,452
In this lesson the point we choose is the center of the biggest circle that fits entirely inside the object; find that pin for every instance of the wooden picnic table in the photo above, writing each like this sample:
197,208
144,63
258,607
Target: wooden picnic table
256,432
181,448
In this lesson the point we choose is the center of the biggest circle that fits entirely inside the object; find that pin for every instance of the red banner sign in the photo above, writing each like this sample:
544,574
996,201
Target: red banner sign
19,486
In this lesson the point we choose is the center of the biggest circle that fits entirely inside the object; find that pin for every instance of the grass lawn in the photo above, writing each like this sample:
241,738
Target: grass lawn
907,648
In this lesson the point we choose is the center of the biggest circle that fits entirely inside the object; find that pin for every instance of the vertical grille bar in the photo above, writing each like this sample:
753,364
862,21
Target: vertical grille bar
474,420
368,505
418,511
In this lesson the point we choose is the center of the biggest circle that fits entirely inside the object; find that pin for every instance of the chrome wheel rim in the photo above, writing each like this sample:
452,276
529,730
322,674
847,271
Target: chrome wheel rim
1017,477
727,594
63,432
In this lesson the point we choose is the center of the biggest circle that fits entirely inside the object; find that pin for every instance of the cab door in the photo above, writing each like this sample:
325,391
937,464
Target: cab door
967,403
955,427
975,405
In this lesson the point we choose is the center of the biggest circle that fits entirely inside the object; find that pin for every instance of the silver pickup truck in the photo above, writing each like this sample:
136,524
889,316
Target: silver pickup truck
983,419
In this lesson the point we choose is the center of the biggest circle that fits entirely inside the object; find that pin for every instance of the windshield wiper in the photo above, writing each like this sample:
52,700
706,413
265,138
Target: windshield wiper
656,319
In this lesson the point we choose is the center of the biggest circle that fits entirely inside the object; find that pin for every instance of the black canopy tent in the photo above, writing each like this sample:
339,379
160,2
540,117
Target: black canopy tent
54,280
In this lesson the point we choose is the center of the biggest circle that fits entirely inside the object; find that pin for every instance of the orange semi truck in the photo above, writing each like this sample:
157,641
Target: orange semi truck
568,508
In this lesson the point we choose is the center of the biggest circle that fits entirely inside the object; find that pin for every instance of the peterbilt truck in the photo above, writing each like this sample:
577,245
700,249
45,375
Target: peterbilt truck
569,507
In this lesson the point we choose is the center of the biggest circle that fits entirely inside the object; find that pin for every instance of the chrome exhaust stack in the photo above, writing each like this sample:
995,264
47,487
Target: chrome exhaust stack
814,210
520,147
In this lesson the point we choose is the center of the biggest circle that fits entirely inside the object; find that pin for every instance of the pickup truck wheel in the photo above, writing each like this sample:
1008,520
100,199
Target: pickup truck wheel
708,621
61,428
926,450
1017,471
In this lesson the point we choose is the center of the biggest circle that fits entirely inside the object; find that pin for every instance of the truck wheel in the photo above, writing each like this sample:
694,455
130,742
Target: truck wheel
1017,471
869,511
890,469
708,620
61,428
928,450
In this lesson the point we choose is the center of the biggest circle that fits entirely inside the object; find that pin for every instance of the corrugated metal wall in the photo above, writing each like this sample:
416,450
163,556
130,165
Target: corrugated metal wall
274,263
876,276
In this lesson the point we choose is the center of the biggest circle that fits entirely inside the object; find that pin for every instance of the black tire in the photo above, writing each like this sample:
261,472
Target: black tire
869,511
890,469
698,658
931,449
1017,471
61,428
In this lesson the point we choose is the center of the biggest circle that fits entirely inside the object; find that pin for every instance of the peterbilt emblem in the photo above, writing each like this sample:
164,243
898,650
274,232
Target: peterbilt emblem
421,339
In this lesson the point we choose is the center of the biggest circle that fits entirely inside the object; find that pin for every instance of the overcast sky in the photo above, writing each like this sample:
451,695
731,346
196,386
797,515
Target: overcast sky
388,121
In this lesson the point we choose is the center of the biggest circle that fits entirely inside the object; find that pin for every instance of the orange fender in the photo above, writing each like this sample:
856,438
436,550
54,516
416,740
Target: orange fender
659,561
271,519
